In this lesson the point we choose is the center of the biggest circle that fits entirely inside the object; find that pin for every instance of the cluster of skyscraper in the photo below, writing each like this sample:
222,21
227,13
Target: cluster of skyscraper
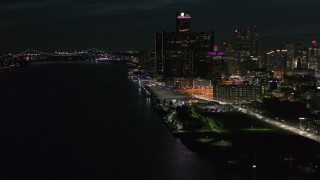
186,54
183,53
292,56
243,53
239,67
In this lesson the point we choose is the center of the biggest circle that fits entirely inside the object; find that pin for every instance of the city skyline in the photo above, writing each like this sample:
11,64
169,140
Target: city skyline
114,25
160,89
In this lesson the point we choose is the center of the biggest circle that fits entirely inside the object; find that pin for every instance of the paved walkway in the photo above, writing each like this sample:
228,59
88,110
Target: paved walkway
167,94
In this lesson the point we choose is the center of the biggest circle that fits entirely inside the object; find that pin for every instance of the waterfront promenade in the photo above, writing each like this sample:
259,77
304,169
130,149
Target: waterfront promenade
164,93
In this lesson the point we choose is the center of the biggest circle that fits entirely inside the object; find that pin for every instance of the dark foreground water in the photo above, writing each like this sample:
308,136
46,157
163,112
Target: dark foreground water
86,121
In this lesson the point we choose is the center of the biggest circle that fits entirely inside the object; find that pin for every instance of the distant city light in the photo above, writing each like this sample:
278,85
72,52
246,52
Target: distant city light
215,53
184,16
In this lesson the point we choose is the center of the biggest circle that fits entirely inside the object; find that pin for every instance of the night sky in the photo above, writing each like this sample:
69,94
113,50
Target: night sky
119,24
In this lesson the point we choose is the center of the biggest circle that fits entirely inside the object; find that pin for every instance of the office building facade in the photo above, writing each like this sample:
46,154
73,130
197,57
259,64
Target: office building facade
314,56
276,61
245,49
238,93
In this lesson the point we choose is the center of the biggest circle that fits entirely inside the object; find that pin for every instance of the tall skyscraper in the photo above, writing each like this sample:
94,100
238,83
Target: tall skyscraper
230,57
182,53
290,55
296,51
176,59
218,67
314,56
200,46
246,46
242,43
160,44
276,61
300,52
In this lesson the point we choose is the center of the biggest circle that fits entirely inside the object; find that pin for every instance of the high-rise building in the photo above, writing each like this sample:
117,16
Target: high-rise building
254,43
218,67
300,53
231,60
314,56
242,44
200,46
246,47
182,53
160,46
176,57
275,61
296,51
290,55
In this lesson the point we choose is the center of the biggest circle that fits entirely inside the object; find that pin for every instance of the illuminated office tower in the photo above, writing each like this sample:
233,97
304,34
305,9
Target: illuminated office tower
232,64
246,46
182,53
300,53
290,55
200,59
242,44
218,67
276,62
296,51
160,45
314,56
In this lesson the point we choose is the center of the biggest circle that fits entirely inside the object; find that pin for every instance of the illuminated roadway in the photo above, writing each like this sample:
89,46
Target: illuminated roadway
293,129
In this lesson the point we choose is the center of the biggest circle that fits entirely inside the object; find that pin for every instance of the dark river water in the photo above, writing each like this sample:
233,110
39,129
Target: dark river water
87,121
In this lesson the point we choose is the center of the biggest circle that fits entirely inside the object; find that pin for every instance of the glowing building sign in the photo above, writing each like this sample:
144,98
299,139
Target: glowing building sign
216,53
314,42
184,16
